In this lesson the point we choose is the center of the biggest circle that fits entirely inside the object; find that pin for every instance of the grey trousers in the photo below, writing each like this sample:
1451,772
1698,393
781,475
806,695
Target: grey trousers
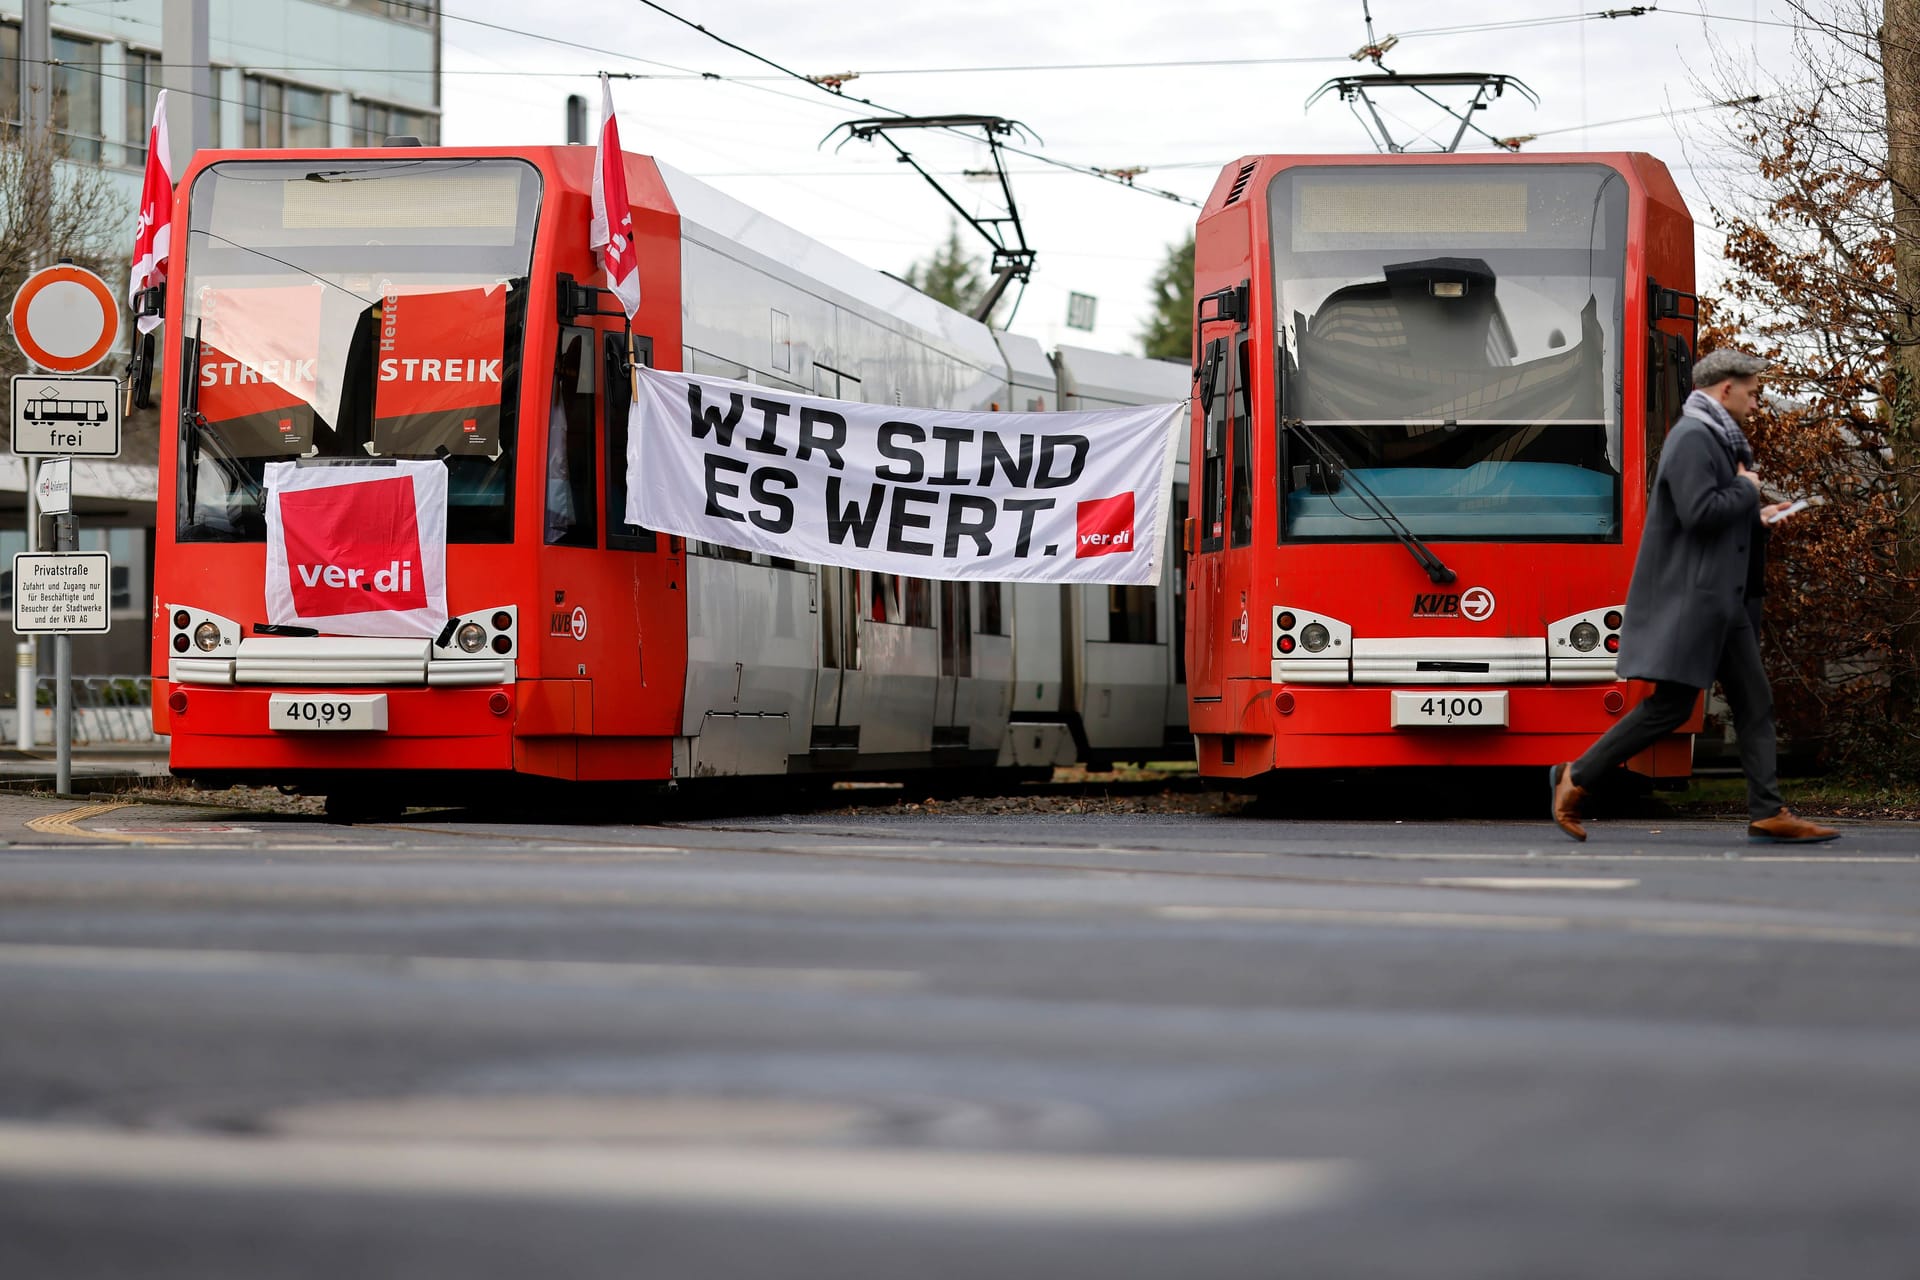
1744,681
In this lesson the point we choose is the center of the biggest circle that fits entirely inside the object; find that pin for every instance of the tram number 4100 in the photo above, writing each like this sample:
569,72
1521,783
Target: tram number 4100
365,712
1423,708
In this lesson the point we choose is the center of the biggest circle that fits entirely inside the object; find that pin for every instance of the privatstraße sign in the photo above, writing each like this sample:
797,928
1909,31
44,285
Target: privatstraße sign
61,591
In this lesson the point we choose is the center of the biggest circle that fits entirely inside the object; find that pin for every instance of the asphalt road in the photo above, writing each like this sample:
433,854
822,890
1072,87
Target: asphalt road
881,1046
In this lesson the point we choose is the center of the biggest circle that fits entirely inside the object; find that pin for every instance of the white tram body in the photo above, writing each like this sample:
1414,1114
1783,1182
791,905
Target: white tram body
794,667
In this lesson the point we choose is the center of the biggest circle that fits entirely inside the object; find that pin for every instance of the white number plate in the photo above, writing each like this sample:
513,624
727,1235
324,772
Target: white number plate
365,712
1411,710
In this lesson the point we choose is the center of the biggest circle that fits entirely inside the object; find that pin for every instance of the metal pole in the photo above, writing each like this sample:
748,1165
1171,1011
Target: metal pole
183,69
36,77
63,540
36,118
26,658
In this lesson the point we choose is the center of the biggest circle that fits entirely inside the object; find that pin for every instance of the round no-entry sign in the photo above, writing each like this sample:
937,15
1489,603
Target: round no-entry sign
65,319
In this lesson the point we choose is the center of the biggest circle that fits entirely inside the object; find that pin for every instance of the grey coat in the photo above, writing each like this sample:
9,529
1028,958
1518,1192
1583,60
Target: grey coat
1689,582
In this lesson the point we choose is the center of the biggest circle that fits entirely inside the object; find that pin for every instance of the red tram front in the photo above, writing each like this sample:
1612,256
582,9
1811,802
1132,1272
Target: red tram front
284,345
433,315
1430,395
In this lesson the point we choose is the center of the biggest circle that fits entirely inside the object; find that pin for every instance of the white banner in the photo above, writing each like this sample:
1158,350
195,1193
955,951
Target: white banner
930,493
358,550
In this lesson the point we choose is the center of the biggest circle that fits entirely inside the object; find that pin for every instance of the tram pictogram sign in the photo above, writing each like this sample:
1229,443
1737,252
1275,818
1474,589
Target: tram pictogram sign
66,416
65,319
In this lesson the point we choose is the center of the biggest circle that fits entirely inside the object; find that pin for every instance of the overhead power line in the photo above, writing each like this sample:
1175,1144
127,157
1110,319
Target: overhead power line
1725,104
1089,170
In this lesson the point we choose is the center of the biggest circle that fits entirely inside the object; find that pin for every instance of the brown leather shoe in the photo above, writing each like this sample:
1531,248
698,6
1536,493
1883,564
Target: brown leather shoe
1784,828
1566,801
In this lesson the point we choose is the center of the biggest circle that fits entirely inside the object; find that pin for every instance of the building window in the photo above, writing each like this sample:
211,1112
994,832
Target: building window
375,122
76,97
216,83
278,114
420,13
9,72
143,87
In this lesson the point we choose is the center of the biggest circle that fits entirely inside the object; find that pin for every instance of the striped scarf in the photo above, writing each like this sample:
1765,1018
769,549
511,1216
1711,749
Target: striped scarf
1714,414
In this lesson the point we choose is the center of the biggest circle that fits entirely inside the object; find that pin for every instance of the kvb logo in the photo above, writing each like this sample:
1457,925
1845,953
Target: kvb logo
353,548
1475,604
1105,526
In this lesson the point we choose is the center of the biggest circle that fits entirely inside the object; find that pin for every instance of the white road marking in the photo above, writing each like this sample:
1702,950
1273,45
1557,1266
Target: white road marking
1746,930
569,972
1524,883
177,829
1772,932
676,1118
979,1186
637,853
341,846
1339,915
1591,854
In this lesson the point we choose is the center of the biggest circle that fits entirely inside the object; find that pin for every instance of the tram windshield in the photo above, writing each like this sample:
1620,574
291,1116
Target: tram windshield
353,310
1451,334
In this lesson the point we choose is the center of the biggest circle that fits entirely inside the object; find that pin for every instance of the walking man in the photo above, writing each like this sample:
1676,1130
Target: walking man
1693,609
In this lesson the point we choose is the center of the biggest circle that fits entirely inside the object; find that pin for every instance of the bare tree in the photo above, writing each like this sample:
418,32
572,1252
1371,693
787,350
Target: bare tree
1823,248
53,208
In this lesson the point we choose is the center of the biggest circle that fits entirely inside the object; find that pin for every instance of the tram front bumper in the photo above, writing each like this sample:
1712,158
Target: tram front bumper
1258,726
230,731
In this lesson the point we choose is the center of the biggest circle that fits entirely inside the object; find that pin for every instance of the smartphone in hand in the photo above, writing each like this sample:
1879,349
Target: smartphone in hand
1792,508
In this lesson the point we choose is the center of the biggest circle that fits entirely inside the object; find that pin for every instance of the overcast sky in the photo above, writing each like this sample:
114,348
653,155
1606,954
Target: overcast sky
759,139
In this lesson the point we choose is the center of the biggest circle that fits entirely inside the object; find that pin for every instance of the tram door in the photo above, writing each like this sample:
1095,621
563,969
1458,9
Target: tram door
1222,609
838,600
953,696
1209,535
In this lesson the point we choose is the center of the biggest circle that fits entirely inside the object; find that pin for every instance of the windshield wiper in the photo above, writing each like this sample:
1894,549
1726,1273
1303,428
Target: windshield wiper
1437,572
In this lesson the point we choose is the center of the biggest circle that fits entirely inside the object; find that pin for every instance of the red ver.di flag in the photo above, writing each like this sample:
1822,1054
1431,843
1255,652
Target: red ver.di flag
612,229
358,550
153,231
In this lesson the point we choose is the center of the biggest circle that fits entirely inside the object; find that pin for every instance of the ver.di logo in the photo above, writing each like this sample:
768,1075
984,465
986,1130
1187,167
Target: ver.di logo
353,548
1105,526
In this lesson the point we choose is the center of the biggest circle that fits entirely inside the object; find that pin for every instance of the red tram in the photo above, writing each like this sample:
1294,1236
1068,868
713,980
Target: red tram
1431,392
399,305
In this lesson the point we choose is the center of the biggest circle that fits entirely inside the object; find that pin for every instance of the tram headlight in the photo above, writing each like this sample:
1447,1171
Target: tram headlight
1585,637
207,636
1314,637
471,637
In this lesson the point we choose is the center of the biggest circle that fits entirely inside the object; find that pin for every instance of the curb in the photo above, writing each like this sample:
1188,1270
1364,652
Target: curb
83,784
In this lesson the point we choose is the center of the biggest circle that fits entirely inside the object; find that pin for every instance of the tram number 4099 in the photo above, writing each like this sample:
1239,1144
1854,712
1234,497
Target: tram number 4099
363,712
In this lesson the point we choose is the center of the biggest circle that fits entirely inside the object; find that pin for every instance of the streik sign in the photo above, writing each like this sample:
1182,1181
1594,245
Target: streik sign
358,550
931,493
